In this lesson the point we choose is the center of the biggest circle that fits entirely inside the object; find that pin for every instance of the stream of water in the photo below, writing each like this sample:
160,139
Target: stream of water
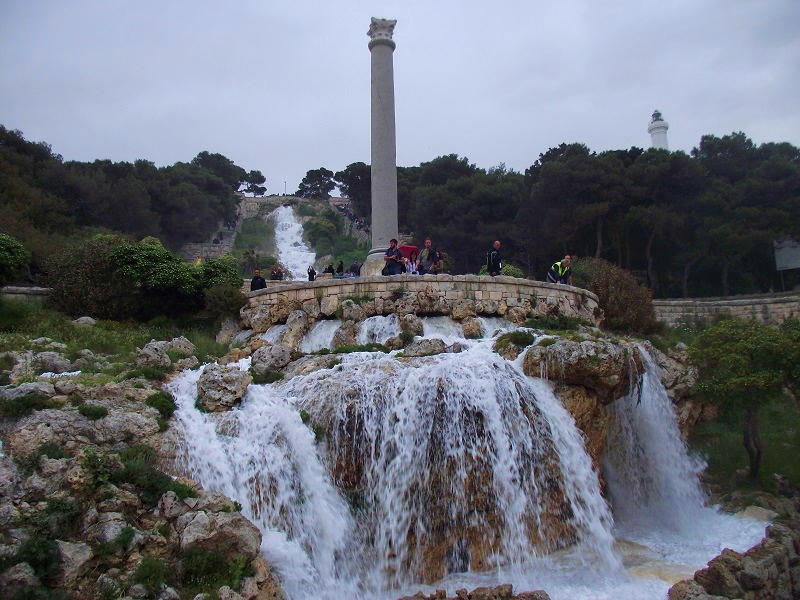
463,449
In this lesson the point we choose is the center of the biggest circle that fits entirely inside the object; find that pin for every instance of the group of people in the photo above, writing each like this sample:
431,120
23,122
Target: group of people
429,261
357,221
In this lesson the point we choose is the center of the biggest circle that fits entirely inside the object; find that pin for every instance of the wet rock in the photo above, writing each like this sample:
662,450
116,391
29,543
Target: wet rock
308,364
517,314
462,309
424,347
345,335
598,365
471,328
296,328
228,533
352,311
591,417
412,323
220,388
270,358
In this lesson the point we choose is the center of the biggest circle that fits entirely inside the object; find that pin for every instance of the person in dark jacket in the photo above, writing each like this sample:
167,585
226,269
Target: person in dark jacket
340,268
560,271
312,274
393,259
257,282
494,262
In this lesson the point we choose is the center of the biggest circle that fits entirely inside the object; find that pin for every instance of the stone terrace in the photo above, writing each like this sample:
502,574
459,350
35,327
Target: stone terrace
458,296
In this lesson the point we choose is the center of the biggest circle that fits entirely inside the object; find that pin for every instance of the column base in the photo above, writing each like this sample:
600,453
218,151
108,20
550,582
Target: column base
374,263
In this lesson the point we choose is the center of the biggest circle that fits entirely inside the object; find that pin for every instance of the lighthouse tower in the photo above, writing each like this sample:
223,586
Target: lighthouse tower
658,131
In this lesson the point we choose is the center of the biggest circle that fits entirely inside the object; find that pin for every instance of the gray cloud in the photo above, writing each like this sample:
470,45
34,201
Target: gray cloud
285,88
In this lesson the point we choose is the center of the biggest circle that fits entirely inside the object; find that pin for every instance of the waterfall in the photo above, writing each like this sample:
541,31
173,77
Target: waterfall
320,336
378,329
456,470
293,253
651,476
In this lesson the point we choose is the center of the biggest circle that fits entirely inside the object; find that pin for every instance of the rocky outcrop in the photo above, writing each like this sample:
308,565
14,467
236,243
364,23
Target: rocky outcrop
769,570
220,387
270,358
500,592
424,347
601,366
156,352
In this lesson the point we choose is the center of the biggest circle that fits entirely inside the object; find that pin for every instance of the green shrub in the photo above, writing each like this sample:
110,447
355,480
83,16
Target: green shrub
268,377
305,210
140,452
508,270
82,280
145,372
92,411
163,402
152,572
224,300
521,339
222,272
554,323
151,482
208,570
60,518
99,468
628,305
15,408
406,337
40,553
13,258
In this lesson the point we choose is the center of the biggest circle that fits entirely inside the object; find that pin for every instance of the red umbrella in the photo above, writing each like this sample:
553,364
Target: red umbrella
407,249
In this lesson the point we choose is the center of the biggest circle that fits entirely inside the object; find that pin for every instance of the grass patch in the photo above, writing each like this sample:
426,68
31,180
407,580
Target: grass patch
268,377
40,553
59,519
361,348
93,412
140,452
151,482
406,337
720,443
152,572
545,342
668,337
520,339
163,402
15,408
332,363
144,372
555,323
208,570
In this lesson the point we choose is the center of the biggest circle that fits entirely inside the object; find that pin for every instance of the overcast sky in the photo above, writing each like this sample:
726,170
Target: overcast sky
283,87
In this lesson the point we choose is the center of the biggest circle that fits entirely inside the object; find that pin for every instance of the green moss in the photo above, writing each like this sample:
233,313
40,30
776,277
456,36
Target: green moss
144,372
520,339
545,342
361,348
265,378
93,412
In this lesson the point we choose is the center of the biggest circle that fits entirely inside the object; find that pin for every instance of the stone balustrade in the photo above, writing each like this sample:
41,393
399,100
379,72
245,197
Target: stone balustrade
455,295
767,308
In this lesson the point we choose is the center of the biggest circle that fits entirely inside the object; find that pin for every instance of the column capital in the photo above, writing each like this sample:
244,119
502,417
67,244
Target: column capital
380,32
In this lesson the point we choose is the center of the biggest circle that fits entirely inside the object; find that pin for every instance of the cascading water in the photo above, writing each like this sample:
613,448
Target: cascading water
293,252
456,467
378,329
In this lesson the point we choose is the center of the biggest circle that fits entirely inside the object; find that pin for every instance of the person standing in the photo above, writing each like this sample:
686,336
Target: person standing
426,258
312,274
393,259
257,282
494,262
561,271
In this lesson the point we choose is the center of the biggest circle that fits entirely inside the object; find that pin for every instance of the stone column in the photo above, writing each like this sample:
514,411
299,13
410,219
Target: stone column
384,150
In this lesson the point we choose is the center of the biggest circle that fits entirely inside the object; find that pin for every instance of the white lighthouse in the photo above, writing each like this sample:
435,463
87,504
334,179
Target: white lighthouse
658,131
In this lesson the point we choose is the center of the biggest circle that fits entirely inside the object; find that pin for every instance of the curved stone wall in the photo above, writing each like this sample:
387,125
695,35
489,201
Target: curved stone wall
767,308
456,295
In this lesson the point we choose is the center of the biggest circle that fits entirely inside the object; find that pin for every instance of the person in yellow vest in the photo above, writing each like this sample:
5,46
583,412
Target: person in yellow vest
561,272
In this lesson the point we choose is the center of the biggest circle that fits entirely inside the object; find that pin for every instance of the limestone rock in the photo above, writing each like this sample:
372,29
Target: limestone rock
154,354
50,362
296,328
18,578
591,417
328,305
270,358
75,561
240,339
598,365
412,323
471,328
424,347
228,533
352,311
517,314
307,364
345,335
462,309
40,389
258,319
311,308
220,387
84,322
227,329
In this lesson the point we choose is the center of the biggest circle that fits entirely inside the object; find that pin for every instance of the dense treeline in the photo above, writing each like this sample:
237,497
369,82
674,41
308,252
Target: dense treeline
44,201
686,225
